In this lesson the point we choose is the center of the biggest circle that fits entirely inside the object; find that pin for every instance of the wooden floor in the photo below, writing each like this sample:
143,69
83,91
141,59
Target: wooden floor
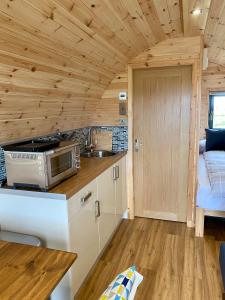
174,263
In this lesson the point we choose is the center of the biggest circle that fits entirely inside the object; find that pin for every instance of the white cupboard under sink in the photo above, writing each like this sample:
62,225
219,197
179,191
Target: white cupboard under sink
83,224
104,207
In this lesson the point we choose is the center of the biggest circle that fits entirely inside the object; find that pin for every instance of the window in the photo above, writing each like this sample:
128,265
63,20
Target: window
217,110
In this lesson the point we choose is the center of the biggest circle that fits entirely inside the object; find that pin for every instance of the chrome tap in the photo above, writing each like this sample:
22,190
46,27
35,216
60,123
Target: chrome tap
90,146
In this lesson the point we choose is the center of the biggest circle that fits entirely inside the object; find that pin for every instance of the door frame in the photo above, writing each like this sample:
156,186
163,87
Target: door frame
196,64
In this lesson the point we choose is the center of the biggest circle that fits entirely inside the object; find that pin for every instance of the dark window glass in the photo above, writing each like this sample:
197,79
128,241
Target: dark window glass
61,163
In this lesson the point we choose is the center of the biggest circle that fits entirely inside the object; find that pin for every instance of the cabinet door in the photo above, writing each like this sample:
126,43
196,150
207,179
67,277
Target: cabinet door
124,184
84,238
106,197
119,191
121,195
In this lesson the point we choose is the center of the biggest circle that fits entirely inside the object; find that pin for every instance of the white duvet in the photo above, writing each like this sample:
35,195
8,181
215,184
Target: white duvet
211,181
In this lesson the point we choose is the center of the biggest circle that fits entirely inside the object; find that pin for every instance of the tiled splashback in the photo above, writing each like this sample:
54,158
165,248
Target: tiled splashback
2,166
119,137
119,141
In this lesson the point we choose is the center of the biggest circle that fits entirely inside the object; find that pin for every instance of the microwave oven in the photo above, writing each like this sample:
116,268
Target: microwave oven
41,170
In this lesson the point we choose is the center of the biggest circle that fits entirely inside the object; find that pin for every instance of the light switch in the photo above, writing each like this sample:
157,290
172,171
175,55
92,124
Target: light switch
123,96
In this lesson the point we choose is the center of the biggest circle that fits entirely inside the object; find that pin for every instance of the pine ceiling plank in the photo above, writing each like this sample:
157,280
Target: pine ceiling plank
30,37
23,11
135,12
104,11
19,64
39,73
127,20
195,24
164,17
43,56
216,14
59,32
10,89
214,32
36,82
64,18
174,10
151,16
63,60
86,43
86,16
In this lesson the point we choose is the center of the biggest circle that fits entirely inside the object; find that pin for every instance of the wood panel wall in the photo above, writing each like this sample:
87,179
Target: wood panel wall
107,108
58,56
38,99
213,79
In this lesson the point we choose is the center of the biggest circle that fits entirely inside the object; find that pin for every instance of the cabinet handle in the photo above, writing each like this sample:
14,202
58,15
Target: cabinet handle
114,173
85,198
97,209
117,172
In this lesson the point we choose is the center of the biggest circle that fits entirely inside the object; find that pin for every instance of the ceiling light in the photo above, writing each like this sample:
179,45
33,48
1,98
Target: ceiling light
196,11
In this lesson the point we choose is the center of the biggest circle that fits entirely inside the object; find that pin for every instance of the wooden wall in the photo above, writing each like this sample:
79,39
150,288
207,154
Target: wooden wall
107,108
37,99
213,79
58,56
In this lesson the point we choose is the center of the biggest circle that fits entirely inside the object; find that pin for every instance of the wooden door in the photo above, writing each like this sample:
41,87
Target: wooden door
162,100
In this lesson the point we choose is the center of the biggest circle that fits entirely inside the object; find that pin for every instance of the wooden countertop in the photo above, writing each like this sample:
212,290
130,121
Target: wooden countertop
90,169
28,272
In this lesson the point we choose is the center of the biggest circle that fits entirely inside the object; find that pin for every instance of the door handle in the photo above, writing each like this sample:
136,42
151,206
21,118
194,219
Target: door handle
137,144
97,209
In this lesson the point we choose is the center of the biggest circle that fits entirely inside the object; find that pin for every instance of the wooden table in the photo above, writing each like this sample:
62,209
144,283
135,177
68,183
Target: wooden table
28,272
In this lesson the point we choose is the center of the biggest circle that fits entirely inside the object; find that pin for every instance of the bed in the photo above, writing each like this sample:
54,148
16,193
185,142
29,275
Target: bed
210,200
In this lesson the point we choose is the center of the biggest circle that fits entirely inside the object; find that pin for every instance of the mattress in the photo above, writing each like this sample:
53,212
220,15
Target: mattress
206,198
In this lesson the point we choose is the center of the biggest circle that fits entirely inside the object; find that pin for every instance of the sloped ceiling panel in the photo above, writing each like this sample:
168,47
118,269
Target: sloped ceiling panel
68,51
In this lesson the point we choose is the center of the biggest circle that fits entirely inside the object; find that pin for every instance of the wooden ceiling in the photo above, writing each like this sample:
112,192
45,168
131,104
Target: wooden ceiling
215,32
58,56
93,40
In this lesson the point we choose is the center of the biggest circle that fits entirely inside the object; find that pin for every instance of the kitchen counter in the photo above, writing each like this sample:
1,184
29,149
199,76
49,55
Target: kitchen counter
90,169
29,272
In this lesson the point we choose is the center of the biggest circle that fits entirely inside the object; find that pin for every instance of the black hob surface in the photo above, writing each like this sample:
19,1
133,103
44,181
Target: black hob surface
32,146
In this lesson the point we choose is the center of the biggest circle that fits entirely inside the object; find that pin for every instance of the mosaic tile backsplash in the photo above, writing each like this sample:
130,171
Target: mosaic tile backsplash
119,141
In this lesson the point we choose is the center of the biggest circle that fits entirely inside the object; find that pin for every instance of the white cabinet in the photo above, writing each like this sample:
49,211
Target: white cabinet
70,225
106,197
83,233
111,193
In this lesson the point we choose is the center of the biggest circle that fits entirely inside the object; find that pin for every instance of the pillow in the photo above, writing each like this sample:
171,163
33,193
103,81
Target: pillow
124,286
215,139
202,144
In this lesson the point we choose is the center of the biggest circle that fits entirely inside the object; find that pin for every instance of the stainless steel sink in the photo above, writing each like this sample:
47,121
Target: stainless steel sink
98,153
